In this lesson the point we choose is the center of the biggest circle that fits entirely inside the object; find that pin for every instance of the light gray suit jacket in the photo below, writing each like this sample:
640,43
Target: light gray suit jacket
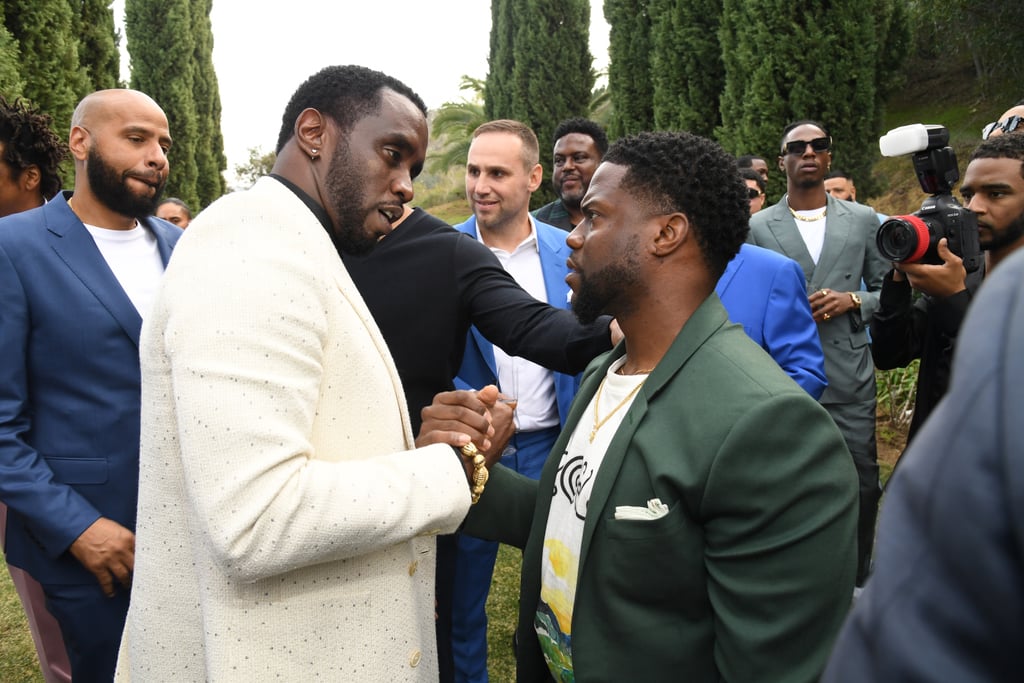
848,258
286,527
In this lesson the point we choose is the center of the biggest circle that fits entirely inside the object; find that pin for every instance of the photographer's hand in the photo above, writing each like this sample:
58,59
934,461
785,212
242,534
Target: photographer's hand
943,280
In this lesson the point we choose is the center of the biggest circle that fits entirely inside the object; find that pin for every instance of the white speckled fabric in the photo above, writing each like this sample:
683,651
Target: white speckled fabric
286,528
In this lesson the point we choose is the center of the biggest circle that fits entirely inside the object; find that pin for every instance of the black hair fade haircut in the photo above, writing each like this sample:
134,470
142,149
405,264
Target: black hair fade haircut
1005,146
346,94
751,174
583,127
29,140
679,171
747,160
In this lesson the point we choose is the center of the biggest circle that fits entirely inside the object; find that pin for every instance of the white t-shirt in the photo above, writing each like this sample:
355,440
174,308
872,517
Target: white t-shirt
563,536
134,257
813,232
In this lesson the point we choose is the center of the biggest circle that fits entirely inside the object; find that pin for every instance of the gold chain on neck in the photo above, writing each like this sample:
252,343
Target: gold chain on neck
600,422
807,219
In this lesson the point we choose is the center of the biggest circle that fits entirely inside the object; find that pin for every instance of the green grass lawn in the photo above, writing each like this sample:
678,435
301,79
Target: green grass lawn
18,662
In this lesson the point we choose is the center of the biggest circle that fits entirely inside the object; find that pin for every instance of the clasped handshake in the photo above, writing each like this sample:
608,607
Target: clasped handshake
458,418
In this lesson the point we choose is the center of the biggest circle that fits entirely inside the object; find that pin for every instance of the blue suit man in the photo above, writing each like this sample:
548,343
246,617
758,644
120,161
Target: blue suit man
502,172
70,301
766,293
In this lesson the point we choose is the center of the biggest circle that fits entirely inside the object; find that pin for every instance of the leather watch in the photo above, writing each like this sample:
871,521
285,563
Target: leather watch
856,299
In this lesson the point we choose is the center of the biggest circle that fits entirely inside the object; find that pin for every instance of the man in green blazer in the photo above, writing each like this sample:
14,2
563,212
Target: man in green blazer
696,520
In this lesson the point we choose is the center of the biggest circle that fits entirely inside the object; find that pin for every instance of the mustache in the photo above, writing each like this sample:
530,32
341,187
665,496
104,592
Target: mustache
155,178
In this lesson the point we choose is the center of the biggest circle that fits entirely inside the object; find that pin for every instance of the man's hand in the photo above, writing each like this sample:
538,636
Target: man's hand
502,414
827,304
615,331
107,549
943,280
458,417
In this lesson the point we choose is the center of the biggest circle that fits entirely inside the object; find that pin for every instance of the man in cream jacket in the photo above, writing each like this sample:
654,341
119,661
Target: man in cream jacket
286,517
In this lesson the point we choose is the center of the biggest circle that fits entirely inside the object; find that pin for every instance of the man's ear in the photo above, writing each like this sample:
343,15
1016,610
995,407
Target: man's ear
30,178
673,232
78,143
312,128
782,166
536,176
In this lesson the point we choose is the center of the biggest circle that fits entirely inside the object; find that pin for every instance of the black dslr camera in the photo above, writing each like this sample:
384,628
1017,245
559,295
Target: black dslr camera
914,238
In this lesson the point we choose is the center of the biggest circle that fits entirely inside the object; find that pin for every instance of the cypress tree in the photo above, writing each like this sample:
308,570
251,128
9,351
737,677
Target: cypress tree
98,49
686,65
500,61
162,47
210,159
11,82
629,68
48,56
552,76
788,60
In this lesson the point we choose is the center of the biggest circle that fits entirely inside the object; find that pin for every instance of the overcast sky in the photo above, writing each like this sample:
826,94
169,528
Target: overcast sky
264,50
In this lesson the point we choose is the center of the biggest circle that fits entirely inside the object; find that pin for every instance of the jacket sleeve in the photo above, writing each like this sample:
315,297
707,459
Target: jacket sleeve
519,324
790,333
780,542
56,514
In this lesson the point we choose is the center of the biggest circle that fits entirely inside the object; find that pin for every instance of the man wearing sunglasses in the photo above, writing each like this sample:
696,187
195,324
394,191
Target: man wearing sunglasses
834,243
1011,120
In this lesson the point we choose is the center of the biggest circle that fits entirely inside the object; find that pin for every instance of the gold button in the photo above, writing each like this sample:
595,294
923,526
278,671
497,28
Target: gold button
414,659
413,567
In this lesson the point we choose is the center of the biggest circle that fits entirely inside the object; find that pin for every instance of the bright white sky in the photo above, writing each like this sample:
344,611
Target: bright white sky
263,50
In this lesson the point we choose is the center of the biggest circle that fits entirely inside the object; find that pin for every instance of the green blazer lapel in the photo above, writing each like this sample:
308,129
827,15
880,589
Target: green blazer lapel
837,235
709,317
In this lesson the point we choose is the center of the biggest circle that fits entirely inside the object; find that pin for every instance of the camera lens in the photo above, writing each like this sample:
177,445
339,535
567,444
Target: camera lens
902,238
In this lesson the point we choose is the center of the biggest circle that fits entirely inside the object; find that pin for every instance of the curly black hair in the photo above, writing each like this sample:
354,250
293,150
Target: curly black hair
28,139
584,127
1008,146
679,171
345,93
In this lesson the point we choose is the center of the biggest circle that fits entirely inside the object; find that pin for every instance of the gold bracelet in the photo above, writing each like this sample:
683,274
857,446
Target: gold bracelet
480,473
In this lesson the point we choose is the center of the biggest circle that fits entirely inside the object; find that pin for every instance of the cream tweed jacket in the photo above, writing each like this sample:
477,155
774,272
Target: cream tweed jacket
286,525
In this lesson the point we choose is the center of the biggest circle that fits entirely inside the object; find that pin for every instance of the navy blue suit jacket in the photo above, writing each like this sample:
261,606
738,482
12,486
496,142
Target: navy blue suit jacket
478,365
69,388
766,293
946,599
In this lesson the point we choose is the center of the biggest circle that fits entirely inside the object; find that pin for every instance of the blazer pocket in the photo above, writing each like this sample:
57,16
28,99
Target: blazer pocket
78,470
644,560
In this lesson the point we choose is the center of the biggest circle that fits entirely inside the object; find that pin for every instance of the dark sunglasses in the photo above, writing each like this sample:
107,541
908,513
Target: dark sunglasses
798,146
753,193
1008,125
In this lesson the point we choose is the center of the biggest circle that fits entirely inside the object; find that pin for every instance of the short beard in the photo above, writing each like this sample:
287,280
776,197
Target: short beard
1007,236
345,188
112,190
603,292
571,201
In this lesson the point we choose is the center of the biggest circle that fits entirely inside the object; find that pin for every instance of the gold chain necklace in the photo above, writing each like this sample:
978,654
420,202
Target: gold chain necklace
807,219
598,422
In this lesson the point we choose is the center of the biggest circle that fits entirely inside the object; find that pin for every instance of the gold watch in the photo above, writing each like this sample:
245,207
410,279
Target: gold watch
856,299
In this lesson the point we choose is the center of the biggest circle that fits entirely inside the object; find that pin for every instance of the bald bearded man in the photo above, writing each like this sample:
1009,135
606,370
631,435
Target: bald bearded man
77,277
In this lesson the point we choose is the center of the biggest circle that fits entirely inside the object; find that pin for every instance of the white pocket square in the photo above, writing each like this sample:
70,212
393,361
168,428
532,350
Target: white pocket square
655,509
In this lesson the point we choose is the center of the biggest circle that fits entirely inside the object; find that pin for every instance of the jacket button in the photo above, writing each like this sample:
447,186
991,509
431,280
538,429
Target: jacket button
414,658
